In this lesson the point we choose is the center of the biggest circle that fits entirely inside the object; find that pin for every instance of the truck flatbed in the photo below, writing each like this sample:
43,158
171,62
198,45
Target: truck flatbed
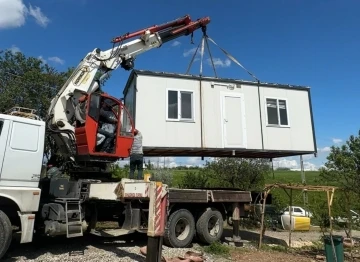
100,191
177,195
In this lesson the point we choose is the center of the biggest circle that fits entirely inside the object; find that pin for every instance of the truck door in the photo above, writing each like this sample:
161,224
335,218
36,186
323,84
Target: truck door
22,161
4,128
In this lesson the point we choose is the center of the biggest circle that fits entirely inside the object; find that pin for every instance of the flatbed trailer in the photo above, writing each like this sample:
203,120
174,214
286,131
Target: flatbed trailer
61,206
190,213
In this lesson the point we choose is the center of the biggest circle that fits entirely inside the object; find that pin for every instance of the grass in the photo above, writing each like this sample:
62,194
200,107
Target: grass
312,177
216,248
294,177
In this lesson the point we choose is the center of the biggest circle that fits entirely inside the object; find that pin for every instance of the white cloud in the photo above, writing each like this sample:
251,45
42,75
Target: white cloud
310,166
219,63
337,140
193,160
294,165
176,43
42,59
56,59
161,162
189,52
324,149
40,18
14,49
308,157
287,163
13,14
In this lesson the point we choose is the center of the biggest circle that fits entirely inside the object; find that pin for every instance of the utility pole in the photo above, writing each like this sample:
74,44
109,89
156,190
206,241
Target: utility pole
303,180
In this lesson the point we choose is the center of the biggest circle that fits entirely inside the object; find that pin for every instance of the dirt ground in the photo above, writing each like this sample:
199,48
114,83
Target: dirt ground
261,256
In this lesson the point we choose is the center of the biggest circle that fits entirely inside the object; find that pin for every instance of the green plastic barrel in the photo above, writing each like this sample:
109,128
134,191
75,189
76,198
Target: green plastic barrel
339,249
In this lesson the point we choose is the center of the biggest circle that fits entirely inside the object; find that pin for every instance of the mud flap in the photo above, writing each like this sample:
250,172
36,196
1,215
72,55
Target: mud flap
27,227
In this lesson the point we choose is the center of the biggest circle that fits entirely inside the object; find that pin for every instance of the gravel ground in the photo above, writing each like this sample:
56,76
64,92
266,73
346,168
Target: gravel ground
297,238
90,248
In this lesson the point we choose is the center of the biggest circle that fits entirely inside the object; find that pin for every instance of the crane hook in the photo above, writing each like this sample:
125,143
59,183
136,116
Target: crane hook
203,29
192,38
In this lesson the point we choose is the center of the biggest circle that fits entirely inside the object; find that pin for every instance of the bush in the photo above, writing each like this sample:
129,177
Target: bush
163,175
119,172
193,179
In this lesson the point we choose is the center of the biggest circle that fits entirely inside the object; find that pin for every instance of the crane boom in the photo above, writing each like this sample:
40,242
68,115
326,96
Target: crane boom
65,108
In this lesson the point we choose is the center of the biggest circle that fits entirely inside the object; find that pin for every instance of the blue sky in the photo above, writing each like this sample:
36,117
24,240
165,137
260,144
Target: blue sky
312,43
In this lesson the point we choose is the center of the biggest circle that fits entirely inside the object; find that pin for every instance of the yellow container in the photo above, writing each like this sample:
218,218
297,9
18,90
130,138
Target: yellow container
147,177
301,223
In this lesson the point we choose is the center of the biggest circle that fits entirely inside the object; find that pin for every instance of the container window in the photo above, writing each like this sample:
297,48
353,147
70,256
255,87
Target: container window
180,105
277,112
186,105
173,105
283,113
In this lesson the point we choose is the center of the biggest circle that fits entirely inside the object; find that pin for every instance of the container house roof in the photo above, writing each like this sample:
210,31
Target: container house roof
210,79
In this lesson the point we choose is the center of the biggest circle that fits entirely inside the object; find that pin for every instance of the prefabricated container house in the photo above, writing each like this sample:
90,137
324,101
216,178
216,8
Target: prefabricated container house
185,115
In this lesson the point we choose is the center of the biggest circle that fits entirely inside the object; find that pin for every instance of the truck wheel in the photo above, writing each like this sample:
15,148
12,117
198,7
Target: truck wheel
5,233
210,226
180,229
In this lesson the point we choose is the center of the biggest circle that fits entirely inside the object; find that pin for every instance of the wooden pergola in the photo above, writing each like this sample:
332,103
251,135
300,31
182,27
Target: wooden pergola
288,188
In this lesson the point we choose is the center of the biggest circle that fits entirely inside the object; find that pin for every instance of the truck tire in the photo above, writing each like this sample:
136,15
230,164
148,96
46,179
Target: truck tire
5,233
210,226
180,229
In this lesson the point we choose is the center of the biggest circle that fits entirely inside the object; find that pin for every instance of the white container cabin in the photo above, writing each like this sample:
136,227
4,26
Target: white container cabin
185,115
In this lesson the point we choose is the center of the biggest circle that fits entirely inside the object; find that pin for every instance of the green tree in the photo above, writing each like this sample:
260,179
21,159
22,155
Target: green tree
163,175
119,172
342,168
237,173
28,82
193,179
241,173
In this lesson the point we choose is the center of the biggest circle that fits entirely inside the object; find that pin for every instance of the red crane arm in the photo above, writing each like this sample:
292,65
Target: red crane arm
169,30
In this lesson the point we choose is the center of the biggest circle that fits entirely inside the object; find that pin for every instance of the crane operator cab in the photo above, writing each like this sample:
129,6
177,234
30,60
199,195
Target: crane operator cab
107,131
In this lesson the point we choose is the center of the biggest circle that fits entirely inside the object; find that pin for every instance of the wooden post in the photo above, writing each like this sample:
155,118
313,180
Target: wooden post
329,200
262,216
236,222
290,210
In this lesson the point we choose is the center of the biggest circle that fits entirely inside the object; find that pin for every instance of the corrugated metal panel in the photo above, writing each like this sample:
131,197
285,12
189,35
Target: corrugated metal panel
188,196
230,196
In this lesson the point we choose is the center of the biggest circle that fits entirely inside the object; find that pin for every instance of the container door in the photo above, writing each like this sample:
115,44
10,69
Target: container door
233,121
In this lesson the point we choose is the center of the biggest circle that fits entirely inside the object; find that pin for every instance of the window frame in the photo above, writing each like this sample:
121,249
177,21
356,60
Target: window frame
179,92
278,112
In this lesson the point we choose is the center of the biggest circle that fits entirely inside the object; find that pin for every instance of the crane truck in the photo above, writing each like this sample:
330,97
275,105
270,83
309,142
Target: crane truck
77,190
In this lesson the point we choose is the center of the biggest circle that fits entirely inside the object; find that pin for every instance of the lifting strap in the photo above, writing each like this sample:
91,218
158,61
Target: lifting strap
233,59
203,41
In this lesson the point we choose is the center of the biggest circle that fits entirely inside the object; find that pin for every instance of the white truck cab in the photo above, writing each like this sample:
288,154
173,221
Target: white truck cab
21,155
